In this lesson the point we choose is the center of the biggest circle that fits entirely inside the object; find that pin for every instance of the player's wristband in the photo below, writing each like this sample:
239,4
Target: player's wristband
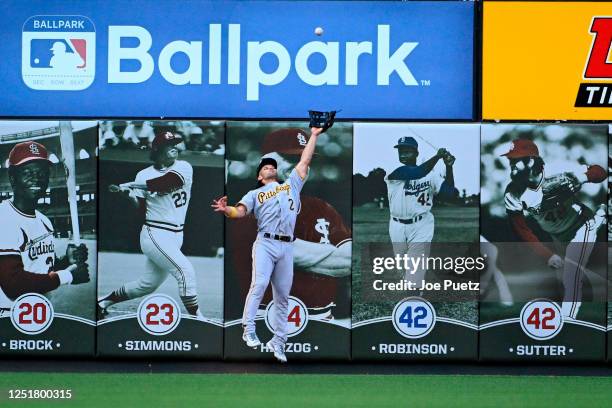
233,212
65,275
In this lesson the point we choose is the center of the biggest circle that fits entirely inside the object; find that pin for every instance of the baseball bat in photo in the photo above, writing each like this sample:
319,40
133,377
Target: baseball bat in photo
67,142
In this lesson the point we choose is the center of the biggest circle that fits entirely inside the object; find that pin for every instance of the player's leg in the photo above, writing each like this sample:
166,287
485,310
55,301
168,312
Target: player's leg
164,249
576,257
419,235
151,278
398,241
282,279
263,261
493,273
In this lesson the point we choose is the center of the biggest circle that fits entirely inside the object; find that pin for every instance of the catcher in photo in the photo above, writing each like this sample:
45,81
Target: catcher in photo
552,203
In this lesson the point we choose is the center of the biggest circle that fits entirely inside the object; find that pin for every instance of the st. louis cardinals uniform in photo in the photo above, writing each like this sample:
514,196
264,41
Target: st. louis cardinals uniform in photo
411,223
275,207
165,193
570,222
27,247
161,237
29,237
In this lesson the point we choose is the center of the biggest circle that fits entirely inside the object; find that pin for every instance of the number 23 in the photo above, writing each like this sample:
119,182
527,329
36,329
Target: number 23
180,198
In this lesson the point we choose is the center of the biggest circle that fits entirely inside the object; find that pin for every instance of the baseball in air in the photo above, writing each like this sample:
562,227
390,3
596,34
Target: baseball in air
318,31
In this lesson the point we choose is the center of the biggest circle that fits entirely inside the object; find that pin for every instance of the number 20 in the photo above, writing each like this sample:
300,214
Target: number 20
38,311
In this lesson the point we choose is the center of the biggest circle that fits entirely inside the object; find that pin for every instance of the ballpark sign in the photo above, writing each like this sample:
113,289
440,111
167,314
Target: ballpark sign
239,59
58,53
557,67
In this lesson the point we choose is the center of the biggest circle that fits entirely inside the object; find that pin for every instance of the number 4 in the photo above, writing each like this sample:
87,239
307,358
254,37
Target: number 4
294,316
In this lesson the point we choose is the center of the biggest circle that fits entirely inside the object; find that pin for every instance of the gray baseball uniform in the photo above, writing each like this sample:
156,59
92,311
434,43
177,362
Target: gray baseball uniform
275,207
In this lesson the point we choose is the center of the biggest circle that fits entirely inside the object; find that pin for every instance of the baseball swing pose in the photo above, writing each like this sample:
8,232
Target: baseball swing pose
552,203
162,191
411,189
27,249
276,206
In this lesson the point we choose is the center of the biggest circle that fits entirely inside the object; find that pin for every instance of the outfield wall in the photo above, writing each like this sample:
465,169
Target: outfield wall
451,122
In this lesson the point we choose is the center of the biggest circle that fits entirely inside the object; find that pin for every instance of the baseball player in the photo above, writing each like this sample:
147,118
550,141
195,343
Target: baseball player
322,246
276,206
28,261
162,191
411,189
567,220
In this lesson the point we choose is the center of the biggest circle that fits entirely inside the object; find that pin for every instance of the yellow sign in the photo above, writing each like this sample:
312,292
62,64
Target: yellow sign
547,61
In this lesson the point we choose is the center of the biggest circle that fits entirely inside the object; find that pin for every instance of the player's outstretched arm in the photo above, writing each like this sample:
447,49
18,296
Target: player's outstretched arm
220,205
15,280
448,186
323,259
308,152
520,227
125,190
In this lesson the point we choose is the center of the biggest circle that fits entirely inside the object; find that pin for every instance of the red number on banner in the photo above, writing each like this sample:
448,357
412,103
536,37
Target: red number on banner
548,314
167,307
294,316
38,312
26,310
153,311
536,319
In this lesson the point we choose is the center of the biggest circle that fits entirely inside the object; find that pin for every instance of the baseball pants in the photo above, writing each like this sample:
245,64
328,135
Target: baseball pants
163,251
414,240
272,261
576,257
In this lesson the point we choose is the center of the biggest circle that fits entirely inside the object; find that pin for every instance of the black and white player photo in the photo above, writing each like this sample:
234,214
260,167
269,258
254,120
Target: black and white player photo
544,197
414,186
156,179
48,257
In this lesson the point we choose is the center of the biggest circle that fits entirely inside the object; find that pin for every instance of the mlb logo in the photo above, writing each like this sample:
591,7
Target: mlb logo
58,53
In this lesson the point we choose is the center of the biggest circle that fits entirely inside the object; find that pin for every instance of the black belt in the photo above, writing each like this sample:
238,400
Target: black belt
409,220
284,238
163,228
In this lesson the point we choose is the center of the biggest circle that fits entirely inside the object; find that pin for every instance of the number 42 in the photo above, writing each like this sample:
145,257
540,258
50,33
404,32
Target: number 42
419,314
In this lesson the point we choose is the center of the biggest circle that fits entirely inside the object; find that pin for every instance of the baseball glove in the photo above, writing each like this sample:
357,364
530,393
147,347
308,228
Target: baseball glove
558,189
323,120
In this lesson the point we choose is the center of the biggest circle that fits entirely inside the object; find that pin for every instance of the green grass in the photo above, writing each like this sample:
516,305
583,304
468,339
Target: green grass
315,390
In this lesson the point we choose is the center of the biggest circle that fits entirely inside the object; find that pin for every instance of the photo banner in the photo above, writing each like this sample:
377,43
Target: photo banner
238,59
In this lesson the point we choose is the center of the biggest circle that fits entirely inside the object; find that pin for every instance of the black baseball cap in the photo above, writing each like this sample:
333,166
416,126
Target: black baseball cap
264,162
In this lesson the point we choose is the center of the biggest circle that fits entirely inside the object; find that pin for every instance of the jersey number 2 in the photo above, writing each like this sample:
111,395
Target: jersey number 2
180,198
